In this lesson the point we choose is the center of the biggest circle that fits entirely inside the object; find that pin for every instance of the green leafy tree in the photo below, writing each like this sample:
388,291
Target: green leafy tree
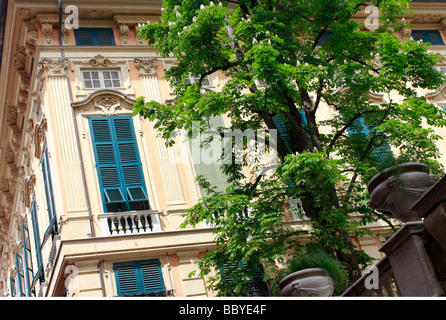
283,61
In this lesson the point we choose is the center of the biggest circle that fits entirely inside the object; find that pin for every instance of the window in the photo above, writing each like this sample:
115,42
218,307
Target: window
255,287
118,164
432,36
326,35
193,79
282,129
29,275
380,152
20,277
49,194
207,164
97,79
139,278
37,241
94,37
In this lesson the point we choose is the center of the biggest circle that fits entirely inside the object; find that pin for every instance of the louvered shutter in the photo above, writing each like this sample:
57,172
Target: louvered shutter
84,37
94,37
118,164
432,36
151,276
206,166
282,130
135,192
381,152
139,277
104,37
126,279
255,286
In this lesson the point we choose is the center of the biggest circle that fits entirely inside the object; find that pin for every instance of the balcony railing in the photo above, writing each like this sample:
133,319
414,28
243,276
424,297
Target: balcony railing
385,285
130,222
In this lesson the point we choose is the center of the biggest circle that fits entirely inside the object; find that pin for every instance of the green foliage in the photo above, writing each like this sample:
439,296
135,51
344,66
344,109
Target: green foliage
269,53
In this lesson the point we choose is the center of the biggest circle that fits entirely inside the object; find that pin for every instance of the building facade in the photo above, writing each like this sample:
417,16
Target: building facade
90,197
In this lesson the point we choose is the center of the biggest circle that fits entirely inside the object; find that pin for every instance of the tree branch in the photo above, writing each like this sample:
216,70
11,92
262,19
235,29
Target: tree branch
214,69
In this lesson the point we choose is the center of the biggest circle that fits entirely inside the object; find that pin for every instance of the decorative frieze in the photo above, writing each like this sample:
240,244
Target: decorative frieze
31,42
19,57
146,66
4,184
9,155
11,115
16,138
23,95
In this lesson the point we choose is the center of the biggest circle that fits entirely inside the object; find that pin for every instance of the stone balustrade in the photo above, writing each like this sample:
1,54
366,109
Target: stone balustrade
130,222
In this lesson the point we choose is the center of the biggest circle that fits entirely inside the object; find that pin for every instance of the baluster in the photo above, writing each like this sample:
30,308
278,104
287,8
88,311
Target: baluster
149,223
127,227
146,223
138,224
113,230
120,227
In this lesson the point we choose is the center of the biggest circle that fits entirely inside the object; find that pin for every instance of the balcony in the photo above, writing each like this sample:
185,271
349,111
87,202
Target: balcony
130,222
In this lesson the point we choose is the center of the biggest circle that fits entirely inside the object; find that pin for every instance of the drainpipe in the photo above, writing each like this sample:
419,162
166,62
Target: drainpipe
93,234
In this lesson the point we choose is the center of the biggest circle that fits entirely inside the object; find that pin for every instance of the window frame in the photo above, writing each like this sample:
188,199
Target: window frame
127,203
49,197
101,79
139,278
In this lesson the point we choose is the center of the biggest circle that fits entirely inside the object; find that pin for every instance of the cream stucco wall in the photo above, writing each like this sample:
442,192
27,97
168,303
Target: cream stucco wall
79,261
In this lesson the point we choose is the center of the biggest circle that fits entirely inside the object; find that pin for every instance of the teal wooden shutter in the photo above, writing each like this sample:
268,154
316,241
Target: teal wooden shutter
139,278
37,242
47,181
20,276
118,164
382,152
29,274
255,286
206,167
282,130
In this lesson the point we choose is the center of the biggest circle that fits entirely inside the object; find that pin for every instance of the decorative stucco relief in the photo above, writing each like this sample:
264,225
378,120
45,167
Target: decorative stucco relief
39,137
146,66
108,105
56,68
47,30
106,101
124,33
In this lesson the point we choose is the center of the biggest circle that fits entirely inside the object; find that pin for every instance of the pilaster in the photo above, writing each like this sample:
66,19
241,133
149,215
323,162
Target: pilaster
66,141
169,170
